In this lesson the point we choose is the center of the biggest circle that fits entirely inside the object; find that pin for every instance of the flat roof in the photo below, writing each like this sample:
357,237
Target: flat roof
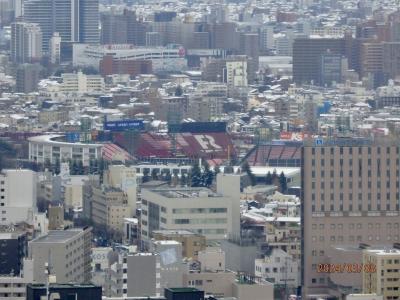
183,290
174,232
58,236
50,139
187,193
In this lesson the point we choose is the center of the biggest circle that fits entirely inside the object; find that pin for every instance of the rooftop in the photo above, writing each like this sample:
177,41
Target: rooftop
58,236
183,290
174,232
186,193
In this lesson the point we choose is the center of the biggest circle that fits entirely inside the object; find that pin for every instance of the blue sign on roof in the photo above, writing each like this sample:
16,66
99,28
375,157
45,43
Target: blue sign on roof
124,125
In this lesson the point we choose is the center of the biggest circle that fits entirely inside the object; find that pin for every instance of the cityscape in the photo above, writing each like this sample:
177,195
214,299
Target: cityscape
199,149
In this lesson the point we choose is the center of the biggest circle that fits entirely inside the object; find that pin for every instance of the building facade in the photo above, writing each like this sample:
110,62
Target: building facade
350,189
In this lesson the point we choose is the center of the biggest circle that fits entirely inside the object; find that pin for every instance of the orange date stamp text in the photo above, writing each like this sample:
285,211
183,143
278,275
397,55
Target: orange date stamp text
346,268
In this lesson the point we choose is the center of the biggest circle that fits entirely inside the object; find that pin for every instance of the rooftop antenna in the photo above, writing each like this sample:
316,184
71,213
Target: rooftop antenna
47,271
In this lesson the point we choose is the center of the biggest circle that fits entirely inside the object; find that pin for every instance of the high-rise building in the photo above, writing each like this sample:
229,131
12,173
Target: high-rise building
26,42
55,48
67,254
249,45
27,78
350,189
74,20
307,54
113,29
391,59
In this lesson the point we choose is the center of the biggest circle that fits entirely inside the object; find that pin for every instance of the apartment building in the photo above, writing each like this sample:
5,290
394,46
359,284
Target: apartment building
109,207
350,189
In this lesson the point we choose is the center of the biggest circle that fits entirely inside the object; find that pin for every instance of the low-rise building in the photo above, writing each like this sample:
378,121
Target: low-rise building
200,210
192,243
380,270
279,268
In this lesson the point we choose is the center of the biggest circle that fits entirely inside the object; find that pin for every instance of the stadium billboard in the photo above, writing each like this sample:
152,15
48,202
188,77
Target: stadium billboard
124,125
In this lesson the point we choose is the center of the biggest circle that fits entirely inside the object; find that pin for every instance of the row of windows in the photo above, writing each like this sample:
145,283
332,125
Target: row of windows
199,210
361,163
352,238
358,226
201,221
351,173
350,184
352,208
350,196
359,150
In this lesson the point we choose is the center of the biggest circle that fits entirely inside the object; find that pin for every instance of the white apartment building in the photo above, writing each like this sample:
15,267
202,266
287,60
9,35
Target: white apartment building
55,48
236,72
278,268
17,204
81,83
53,148
200,210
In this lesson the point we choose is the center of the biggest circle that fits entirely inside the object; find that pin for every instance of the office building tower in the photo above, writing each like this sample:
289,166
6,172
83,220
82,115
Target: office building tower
164,16
153,39
113,29
74,20
266,36
67,253
371,58
350,189
249,46
307,54
136,29
17,205
26,42
331,68
14,247
391,59
89,21
6,12
224,36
